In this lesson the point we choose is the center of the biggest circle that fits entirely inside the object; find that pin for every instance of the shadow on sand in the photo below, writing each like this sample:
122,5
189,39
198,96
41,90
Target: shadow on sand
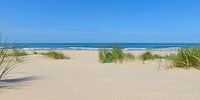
15,82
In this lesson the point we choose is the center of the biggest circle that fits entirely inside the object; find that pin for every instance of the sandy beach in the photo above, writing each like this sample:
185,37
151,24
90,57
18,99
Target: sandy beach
83,78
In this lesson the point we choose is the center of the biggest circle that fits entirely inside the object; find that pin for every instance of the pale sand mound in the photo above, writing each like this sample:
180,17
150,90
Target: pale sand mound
83,78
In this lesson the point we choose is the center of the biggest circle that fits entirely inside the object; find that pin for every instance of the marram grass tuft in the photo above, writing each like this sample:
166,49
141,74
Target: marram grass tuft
55,55
186,58
115,55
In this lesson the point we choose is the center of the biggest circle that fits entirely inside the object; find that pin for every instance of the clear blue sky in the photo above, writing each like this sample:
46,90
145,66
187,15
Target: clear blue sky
101,20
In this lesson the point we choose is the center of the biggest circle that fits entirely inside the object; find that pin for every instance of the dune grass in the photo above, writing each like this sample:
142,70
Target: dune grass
7,61
116,54
56,55
148,56
185,58
19,55
16,53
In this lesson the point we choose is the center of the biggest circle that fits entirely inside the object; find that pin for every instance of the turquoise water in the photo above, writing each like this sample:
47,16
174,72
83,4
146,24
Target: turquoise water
96,46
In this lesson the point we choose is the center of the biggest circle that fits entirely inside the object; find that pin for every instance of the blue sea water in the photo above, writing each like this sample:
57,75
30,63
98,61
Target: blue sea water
96,46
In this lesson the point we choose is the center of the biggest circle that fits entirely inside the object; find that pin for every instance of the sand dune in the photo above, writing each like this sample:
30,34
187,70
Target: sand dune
84,78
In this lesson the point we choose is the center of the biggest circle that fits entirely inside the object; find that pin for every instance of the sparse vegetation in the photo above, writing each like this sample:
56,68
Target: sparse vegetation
129,56
186,58
116,54
35,52
148,56
55,55
17,53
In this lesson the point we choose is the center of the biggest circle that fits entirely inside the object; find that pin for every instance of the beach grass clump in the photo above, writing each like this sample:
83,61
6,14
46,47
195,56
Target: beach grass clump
105,56
148,56
56,55
186,58
7,62
116,54
17,53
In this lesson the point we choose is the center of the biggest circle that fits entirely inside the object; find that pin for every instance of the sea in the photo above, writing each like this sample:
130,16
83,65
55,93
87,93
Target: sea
97,46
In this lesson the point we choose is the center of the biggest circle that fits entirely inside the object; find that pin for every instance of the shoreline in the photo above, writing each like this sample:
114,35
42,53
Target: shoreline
91,49
96,46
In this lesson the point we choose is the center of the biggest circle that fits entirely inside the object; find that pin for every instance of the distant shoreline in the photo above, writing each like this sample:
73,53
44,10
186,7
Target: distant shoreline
92,50
97,46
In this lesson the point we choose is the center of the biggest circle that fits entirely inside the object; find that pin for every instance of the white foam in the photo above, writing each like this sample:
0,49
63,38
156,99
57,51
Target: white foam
83,48
36,48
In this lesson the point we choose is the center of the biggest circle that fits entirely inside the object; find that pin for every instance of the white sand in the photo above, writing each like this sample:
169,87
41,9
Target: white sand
84,78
